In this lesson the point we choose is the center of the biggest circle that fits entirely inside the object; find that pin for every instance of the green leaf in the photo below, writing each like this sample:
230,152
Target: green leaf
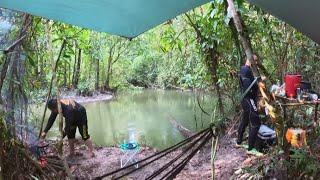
31,60
66,56
57,39
309,111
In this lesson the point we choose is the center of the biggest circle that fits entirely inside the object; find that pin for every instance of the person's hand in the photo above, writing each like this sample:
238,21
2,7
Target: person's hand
43,135
261,85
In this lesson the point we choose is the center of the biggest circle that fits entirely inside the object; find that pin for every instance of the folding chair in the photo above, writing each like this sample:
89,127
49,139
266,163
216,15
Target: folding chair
129,152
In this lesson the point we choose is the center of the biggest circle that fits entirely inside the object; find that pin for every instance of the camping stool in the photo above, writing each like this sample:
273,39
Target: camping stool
129,152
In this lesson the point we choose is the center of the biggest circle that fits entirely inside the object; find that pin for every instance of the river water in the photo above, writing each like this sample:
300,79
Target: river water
144,117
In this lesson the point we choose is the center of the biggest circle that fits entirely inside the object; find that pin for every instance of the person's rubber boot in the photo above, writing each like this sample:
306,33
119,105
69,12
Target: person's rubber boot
241,146
254,152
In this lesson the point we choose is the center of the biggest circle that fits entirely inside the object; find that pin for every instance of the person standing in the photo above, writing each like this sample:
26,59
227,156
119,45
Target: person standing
250,114
75,116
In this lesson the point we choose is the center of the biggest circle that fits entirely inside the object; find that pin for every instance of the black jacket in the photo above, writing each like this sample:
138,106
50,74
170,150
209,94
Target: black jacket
71,111
246,78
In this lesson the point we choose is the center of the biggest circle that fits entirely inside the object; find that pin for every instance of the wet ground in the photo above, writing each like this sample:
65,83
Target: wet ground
107,159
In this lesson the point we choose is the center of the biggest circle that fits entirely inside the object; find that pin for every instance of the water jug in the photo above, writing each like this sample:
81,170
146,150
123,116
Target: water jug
292,83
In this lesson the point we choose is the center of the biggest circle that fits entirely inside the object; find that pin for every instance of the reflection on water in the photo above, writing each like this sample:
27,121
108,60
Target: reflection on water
144,116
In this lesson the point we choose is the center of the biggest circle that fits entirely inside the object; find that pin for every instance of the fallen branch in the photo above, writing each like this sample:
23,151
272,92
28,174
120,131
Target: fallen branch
57,167
184,131
5,51
35,164
51,169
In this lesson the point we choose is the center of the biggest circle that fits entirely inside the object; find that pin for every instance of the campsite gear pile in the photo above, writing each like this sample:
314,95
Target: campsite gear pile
294,88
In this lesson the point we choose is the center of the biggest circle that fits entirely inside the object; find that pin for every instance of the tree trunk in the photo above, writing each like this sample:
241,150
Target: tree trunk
97,73
36,68
3,136
22,98
69,75
74,69
51,85
107,84
10,99
4,73
109,65
243,37
212,63
1,165
42,66
65,74
282,62
77,72
236,40
60,148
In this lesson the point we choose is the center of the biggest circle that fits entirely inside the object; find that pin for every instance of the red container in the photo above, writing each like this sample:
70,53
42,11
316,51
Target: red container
292,83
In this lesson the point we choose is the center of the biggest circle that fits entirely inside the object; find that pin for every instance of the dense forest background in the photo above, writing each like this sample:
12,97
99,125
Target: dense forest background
198,50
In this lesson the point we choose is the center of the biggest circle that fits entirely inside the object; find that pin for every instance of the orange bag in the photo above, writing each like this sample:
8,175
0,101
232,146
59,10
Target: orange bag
296,137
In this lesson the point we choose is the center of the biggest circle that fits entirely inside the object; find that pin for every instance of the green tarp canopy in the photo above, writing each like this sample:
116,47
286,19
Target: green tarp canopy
300,14
127,18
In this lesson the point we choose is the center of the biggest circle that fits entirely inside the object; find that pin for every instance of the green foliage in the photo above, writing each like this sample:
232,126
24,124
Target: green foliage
144,73
85,88
302,163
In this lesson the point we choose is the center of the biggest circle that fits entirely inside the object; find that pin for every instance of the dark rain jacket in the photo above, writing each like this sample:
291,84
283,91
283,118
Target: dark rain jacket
246,78
72,112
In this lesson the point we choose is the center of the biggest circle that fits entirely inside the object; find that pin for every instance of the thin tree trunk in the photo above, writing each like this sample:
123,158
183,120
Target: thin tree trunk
60,148
23,97
109,66
97,73
74,68
212,63
36,70
10,99
78,69
1,165
107,84
42,63
65,74
3,131
69,75
214,145
50,88
4,73
283,58
243,37
236,40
